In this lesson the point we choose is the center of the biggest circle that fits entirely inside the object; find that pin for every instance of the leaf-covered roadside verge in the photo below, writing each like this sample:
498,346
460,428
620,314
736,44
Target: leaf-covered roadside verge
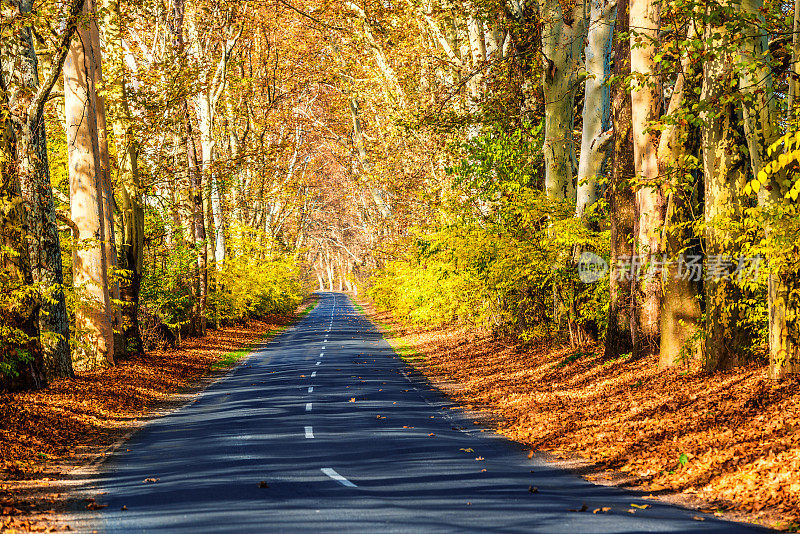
44,434
729,441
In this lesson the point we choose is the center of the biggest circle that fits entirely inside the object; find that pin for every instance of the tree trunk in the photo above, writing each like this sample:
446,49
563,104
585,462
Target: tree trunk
45,243
681,313
206,125
199,229
562,41
340,267
597,102
20,352
329,267
93,315
477,45
646,91
792,81
131,253
621,321
107,191
760,130
724,181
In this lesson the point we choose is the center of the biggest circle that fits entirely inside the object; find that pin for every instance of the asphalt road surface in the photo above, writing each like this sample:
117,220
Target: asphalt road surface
348,439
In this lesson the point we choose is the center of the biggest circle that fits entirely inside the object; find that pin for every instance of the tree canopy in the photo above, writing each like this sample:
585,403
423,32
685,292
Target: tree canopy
613,172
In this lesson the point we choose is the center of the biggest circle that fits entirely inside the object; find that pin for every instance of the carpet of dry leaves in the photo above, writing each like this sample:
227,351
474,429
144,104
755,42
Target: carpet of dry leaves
730,439
45,433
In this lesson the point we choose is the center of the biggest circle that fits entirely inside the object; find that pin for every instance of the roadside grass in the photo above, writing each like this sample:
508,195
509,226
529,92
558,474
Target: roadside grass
231,358
308,309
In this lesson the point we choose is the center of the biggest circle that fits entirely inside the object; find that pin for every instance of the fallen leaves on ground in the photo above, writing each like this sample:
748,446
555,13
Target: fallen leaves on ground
731,438
78,417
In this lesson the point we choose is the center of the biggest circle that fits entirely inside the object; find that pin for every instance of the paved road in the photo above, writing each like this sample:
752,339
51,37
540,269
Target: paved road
396,459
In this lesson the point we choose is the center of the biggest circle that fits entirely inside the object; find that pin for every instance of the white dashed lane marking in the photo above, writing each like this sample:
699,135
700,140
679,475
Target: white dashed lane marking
337,477
310,389
309,433
308,406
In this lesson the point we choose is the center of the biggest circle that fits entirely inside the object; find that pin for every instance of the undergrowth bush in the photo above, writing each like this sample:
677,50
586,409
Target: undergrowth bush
502,254
246,287
254,281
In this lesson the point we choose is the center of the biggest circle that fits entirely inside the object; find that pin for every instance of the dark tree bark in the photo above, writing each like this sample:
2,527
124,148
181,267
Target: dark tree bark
621,320
196,192
131,236
45,245
20,351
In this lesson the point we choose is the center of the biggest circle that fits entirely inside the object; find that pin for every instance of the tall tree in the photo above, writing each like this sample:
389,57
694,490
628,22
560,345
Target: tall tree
621,319
197,230
760,129
679,143
646,101
131,246
725,176
107,191
214,82
45,246
94,314
20,351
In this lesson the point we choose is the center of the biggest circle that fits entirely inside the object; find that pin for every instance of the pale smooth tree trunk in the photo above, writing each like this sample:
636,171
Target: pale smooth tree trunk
477,46
621,320
646,97
205,116
109,245
378,194
198,226
195,217
562,41
340,267
392,86
94,315
206,101
329,268
596,133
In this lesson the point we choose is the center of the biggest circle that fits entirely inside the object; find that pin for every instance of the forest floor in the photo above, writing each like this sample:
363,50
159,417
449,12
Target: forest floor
46,435
727,443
